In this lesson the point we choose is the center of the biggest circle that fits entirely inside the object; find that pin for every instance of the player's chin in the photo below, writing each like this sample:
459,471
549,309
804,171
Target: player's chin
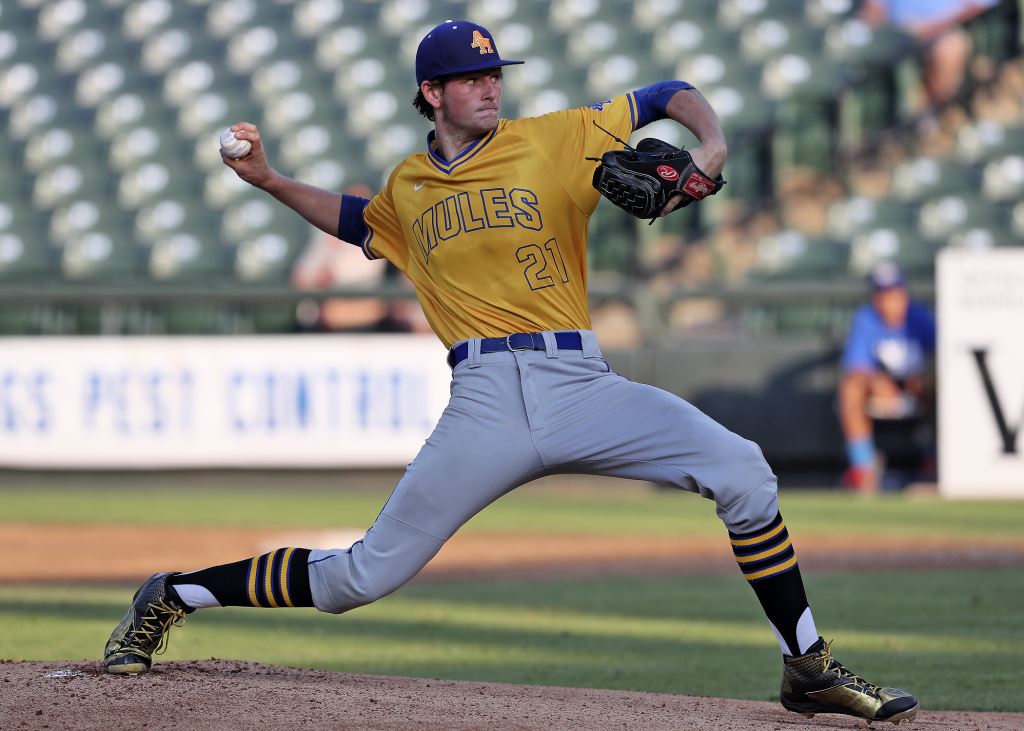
487,119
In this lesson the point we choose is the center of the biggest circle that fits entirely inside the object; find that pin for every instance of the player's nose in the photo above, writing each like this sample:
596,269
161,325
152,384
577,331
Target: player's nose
490,87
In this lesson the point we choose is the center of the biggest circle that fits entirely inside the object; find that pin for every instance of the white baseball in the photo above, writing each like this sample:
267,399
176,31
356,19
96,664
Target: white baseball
233,147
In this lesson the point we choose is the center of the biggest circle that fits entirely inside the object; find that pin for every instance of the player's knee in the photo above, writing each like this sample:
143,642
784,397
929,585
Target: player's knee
751,499
748,471
749,459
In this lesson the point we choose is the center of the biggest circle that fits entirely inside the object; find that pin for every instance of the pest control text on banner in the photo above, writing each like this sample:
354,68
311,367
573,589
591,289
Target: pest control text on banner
302,401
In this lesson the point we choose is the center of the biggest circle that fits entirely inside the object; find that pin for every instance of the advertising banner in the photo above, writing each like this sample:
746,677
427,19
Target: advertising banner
183,402
981,372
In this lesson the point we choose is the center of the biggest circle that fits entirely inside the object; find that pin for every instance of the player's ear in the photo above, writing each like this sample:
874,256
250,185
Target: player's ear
432,92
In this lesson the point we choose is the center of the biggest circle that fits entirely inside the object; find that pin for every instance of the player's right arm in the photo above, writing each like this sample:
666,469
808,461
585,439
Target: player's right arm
858,355
322,208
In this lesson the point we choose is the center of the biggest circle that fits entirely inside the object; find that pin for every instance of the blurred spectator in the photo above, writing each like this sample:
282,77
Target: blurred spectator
328,262
938,27
886,370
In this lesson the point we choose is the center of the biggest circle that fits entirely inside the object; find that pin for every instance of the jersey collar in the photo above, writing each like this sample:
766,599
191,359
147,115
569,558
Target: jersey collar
463,157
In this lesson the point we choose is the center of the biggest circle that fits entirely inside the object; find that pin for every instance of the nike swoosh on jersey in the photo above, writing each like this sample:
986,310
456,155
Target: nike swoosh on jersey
418,186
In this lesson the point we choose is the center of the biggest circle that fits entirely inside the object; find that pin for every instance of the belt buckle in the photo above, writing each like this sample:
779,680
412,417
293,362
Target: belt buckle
508,342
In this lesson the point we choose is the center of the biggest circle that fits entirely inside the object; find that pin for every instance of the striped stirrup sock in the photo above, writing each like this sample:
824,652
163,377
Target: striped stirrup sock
768,561
276,579
764,553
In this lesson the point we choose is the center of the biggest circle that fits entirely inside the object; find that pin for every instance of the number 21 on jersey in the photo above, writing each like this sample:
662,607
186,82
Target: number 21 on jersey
545,266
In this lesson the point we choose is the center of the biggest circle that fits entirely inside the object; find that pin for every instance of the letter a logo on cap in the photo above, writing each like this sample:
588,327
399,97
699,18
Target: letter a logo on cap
482,42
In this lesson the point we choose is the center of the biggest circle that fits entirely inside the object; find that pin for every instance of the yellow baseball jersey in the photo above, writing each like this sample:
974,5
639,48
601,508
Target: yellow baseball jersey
495,241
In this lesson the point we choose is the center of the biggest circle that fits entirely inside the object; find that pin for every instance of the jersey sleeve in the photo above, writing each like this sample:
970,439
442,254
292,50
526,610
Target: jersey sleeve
857,355
568,138
383,236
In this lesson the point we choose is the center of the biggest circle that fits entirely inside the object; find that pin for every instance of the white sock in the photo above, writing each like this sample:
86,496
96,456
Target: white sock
806,634
196,596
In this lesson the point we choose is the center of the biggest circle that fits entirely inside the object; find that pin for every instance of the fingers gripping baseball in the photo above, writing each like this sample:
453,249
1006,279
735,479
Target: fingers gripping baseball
251,166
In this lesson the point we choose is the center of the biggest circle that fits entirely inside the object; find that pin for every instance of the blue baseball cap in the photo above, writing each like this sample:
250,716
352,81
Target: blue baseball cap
886,275
456,47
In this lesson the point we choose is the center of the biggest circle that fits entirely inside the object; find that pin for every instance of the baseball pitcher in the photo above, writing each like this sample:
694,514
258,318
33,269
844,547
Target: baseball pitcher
490,224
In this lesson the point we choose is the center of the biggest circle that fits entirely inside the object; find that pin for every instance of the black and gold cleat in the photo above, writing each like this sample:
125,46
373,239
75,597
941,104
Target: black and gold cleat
143,631
816,682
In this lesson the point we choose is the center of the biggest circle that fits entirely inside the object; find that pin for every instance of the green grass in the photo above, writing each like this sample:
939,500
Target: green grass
634,511
952,637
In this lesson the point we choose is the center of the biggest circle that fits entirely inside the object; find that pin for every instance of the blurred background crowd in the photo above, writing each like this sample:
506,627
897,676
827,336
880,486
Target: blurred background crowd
861,132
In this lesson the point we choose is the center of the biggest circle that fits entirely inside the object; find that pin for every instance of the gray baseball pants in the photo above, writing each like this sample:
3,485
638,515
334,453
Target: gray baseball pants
516,416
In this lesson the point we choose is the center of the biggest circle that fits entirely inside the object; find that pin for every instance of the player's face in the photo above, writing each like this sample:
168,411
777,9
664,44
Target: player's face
892,305
471,102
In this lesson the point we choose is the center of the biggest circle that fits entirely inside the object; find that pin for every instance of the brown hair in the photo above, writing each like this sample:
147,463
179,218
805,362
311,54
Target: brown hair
423,106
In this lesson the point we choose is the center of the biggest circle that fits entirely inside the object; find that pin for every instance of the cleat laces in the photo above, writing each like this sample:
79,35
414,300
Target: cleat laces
829,663
154,628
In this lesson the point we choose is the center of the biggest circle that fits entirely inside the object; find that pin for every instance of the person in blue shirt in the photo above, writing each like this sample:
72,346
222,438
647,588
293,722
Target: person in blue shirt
937,25
886,368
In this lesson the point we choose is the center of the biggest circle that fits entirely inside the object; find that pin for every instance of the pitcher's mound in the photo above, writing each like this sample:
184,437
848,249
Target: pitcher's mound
226,694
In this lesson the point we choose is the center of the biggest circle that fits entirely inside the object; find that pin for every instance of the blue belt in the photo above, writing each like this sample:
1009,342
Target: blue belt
516,341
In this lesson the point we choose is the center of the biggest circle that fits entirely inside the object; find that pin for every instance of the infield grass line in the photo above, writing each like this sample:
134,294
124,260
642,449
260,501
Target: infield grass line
636,511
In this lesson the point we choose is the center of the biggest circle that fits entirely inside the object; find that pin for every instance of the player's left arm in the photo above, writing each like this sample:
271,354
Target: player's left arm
689,108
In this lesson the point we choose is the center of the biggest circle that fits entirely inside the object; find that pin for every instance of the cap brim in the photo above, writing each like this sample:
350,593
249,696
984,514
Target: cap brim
480,67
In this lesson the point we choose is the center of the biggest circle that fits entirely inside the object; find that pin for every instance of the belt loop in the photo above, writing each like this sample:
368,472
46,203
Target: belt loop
475,361
589,341
550,345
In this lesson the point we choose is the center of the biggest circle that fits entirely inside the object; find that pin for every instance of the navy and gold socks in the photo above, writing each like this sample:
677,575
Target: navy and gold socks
768,561
276,579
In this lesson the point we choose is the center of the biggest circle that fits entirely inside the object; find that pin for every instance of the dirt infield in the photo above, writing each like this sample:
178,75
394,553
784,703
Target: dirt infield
219,694
48,553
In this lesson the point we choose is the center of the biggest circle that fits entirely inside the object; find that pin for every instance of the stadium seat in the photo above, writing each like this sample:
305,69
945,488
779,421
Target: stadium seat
685,37
738,13
986,140
943,217
863,48
185,258
338,45
827,13
903,245
656,15
87,46
127,110
91,212
792,255
927,177
982,238
99,256
207,113
1003,178
854,215
769,38
166,216
24,253
311,17
22,79
266,257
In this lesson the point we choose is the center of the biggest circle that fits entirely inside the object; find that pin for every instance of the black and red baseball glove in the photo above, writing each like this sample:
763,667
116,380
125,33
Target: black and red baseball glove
641,180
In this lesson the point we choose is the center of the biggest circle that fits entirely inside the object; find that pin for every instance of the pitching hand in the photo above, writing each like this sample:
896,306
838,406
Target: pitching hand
253,167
